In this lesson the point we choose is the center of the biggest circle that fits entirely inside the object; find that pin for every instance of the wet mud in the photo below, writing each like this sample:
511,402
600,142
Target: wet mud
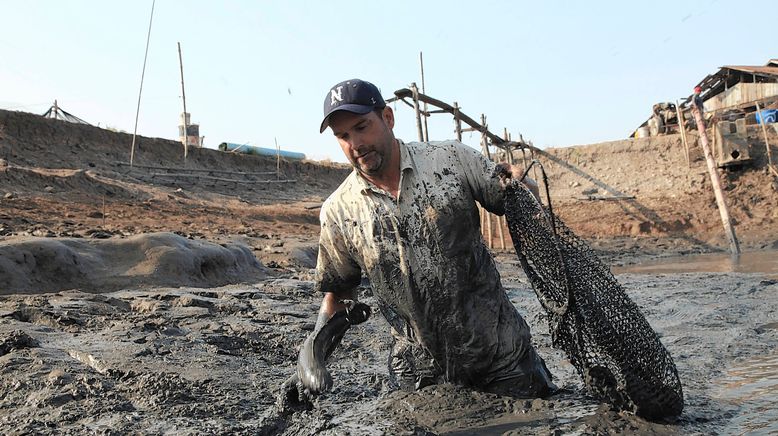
210,361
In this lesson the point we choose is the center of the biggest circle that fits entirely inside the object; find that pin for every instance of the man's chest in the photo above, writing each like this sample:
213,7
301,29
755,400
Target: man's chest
432,212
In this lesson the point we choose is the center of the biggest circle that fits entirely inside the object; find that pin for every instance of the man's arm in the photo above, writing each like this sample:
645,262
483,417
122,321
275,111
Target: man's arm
339,311
487,179
331,303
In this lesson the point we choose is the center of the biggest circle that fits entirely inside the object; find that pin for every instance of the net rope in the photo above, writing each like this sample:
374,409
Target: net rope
605,336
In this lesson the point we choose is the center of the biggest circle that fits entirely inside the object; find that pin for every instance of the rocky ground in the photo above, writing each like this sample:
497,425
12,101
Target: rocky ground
133,301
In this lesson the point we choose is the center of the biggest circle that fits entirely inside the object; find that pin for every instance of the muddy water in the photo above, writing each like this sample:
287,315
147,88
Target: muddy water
765,262
752,386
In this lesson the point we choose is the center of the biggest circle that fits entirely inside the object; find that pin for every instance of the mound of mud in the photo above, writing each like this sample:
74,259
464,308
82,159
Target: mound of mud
38,265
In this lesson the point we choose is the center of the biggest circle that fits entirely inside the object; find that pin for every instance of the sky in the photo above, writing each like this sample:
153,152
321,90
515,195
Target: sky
559,73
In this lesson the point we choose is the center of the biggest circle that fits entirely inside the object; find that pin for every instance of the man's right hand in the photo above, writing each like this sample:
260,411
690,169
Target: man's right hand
318,347
293,396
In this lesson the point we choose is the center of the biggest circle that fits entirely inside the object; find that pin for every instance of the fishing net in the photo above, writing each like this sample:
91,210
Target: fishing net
591,318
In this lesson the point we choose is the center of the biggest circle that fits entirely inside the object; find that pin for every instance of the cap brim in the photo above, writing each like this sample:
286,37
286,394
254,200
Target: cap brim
353,108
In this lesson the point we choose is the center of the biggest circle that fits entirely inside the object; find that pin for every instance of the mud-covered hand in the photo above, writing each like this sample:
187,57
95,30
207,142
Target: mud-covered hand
293,396
311,370
506,172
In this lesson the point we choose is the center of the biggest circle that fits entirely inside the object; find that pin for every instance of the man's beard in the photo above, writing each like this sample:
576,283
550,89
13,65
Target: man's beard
371,168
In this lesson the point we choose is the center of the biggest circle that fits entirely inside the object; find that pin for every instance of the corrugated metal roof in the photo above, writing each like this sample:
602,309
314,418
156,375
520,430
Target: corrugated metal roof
754,69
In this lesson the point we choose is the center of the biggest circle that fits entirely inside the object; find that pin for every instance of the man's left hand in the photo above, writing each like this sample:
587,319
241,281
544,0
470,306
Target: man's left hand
506,172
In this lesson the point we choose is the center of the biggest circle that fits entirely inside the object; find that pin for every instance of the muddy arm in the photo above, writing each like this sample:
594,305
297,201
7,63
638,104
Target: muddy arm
318,347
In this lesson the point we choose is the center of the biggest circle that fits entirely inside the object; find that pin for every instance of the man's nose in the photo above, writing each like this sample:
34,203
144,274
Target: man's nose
357,142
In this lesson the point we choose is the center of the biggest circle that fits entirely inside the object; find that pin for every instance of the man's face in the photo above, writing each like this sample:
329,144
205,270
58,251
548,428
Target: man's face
366,140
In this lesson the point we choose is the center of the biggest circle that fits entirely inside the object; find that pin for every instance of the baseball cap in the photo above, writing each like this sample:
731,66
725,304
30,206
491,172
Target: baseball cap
356,96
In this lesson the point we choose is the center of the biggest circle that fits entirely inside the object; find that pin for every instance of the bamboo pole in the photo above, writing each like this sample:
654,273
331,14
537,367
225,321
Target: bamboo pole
426,129
714,178
489,234
484,141
457,122
183,98
682,127
140,90
766,142
486,214
481,213
278,159
416,109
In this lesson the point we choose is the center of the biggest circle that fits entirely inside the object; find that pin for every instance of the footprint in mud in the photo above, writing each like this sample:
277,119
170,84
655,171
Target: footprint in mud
47,317
15,340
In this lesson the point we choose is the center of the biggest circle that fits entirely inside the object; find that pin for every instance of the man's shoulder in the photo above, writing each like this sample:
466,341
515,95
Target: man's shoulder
439,153
434,147
343,194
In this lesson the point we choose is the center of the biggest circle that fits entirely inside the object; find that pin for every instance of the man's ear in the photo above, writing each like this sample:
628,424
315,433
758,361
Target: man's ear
388,116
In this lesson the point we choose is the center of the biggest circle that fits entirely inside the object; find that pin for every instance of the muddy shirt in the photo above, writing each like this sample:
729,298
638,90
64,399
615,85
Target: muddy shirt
428,265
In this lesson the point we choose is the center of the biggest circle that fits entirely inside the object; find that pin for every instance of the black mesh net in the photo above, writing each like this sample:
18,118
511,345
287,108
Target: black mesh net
602,331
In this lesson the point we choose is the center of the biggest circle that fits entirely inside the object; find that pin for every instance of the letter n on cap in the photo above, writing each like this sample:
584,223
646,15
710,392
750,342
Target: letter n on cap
336,94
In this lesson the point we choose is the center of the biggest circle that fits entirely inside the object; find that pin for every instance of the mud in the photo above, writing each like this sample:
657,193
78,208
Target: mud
168,351
31,265
204,361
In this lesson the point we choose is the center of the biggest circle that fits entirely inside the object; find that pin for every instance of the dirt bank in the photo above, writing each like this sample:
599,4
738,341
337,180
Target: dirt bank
61,179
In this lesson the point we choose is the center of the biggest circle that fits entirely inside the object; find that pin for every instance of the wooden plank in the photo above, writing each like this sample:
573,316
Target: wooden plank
196,170
601,198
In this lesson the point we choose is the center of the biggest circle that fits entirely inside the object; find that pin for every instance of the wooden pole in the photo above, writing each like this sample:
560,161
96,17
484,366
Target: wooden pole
484,143
278,159
501,219
426,129
183,98
140,91
766,142
481,213
457,122
714,178
489,234
682,127
416,109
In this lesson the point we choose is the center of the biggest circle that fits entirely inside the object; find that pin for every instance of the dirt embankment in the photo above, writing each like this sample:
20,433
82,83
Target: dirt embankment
62,179
59,179
643,195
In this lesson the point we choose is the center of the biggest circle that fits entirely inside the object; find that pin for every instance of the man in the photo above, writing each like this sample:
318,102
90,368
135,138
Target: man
407,218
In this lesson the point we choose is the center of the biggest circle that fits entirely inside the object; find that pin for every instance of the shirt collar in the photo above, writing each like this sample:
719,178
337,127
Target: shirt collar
405,164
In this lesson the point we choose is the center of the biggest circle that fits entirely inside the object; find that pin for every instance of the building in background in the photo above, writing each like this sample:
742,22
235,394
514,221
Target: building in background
193,138
729,94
